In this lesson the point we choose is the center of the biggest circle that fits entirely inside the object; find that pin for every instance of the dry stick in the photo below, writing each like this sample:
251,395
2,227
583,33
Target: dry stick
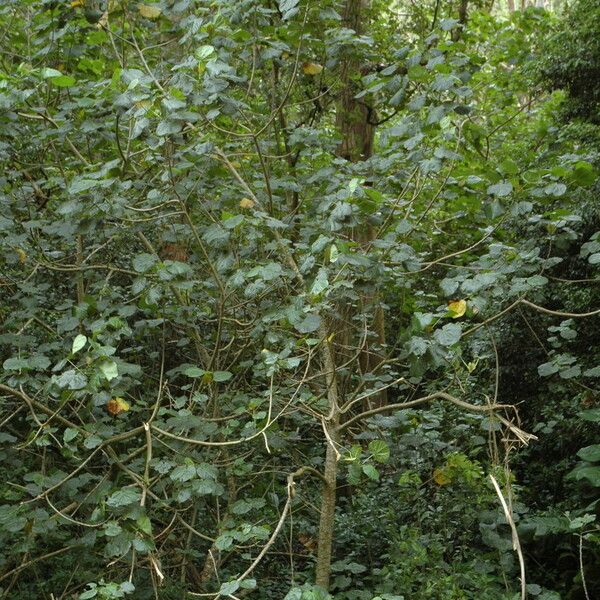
554,313
515,535
419,401
585,590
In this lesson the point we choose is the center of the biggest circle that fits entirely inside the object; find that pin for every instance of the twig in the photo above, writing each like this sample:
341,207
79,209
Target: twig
515,536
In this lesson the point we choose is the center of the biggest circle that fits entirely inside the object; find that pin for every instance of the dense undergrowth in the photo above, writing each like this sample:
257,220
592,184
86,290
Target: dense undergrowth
299,300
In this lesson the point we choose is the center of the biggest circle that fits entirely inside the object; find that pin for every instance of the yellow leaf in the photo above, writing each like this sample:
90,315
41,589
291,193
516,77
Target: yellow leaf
246,203
441,476
76,3
116,406
22,255
149,12
457,307
310,68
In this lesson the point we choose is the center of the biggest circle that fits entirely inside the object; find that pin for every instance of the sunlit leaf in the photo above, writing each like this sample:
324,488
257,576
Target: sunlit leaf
457,308
441,476
310,68
149,11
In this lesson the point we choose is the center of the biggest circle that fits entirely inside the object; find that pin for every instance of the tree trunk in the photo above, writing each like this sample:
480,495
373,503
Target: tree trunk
463,15
511,6
355,121
327,520
353,116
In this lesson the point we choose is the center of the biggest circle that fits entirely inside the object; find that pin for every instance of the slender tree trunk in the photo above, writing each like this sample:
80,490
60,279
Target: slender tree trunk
353,117
328,503
511,6
463,15
355,121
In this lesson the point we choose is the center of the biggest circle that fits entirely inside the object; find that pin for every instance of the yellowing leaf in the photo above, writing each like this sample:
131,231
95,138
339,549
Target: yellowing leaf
76,3
246,203
457,307
145,104
310,68
116,406
22,255
441,476
149,12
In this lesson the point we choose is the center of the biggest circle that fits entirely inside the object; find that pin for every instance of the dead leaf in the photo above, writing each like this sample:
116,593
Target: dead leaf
22,255
116,406
246,203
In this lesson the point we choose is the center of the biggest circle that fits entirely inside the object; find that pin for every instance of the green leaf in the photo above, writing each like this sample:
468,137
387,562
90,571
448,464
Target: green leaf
194,372
204,52
371,472
547,369
15,364
144,523
78,343
229,587
183,473
310,323
47,73
248,584
79,185
594,259
144,262
592,415
72,380
288,8
448,335
224,541
355,568
123,497
555,189
70,434
502,189
320,284
380,450
63,81
91,442
220,376
109,369
590,453
590,473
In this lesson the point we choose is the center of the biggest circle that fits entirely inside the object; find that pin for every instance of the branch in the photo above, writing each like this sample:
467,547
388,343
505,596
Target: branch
547,311
418,402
